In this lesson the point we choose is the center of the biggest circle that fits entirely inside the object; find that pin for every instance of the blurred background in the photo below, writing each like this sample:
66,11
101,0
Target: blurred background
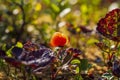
37,20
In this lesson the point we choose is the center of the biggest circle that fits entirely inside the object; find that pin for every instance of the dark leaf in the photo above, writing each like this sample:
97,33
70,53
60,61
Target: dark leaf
29,46
13,61
2,53
16,51
75,52
116,68
109,25
85,30
84,65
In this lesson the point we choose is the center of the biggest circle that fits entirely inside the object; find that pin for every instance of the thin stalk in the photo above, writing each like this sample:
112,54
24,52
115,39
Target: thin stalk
21,6
115,50
54,76
116,45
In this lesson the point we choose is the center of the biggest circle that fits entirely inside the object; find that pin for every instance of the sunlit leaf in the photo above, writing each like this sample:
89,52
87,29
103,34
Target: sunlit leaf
19,44
9,52
96,2
92,41
55,7
46,1
75,61
38,7
77,70
10,28
84,8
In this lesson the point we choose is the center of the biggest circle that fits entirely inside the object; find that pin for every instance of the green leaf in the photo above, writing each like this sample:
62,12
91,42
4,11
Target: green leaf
9,52
109,76
106,42
92,41
78,77
10,28
96,2
46,1
84,8
55,7
75,61
118,52
77,70
4,47
84,64
19,44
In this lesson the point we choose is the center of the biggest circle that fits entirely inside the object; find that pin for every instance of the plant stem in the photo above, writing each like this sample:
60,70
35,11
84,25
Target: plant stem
116,45
20,32
114,49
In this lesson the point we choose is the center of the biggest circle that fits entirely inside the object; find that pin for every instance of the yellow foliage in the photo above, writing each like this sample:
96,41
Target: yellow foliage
38,7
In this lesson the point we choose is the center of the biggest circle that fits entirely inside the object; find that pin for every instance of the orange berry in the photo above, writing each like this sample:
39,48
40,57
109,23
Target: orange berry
58,39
